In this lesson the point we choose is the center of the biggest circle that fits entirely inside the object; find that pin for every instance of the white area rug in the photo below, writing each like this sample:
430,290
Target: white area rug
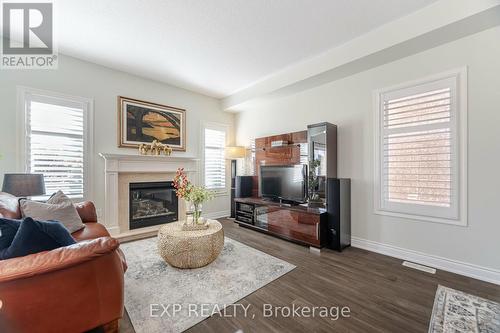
458,312
151,285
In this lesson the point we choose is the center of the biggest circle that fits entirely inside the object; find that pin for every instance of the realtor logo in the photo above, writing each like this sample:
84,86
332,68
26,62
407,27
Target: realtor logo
28,36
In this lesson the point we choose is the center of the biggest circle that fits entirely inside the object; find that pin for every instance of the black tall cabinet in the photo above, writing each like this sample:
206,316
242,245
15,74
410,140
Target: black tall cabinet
335,194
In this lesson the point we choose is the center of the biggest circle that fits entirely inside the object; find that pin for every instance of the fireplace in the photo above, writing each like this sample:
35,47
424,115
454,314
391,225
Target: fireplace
152,203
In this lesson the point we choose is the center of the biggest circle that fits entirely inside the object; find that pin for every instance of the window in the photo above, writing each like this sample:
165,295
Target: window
215,162
421,146
55,140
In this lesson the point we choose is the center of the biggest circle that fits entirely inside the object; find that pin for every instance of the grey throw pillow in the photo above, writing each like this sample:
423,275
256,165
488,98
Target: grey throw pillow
58,198
62,210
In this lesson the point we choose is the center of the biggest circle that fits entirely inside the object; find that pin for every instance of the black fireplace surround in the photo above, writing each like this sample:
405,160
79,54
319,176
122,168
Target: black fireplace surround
152,203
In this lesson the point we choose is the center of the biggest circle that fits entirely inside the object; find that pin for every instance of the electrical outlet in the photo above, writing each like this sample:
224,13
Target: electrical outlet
99,212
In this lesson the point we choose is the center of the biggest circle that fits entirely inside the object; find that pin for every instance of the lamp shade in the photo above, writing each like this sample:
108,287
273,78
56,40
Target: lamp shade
234,152
23,184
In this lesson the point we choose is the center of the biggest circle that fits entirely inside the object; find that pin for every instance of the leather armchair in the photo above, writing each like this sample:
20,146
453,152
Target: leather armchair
70,289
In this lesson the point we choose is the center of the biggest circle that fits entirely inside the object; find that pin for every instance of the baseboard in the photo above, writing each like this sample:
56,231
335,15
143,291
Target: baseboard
137,234
454,266
140,233
153,230
217,215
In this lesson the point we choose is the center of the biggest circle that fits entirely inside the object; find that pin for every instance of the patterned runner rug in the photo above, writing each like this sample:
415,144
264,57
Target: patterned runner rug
459,312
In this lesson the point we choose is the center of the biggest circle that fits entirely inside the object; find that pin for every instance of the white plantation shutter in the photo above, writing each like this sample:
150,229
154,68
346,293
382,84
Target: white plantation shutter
215,162
418,157
55,147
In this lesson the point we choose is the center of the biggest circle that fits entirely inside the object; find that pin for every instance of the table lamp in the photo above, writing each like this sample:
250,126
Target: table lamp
23,184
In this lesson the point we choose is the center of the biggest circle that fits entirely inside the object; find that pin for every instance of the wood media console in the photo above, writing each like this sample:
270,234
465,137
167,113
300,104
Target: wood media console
300,224
326,225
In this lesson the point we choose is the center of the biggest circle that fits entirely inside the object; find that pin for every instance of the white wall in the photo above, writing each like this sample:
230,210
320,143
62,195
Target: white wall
349,104
80,78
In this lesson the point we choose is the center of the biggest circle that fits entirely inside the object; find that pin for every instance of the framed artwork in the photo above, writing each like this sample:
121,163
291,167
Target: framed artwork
142,122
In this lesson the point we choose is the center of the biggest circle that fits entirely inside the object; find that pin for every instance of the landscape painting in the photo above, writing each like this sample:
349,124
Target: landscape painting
143,122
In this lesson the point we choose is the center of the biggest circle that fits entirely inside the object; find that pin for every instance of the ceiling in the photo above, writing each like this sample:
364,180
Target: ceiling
215,47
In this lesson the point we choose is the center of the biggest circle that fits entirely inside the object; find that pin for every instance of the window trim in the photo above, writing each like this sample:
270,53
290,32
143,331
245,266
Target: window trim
88,135
220,127
461,141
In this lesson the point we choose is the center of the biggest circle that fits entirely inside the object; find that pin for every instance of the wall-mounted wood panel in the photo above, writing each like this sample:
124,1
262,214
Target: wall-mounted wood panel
286,155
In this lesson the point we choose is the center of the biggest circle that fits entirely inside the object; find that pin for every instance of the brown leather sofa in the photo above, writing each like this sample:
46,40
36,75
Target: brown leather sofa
70,289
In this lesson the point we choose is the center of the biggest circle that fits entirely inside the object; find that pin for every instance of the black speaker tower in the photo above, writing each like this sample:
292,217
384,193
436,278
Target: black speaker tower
338,207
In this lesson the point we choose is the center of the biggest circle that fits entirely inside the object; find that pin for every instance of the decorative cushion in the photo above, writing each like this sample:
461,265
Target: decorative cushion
8,229
37,236
58,198
63,211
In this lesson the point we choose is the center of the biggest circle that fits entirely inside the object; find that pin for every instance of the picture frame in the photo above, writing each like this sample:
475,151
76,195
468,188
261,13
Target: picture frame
141,122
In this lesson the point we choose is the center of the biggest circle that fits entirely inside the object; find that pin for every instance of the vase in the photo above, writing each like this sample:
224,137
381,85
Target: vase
193,212
314,200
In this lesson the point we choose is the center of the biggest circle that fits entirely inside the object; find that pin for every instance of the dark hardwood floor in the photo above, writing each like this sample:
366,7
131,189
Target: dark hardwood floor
382,295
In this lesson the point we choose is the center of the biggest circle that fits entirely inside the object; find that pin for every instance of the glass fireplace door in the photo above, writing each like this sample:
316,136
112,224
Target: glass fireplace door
152,204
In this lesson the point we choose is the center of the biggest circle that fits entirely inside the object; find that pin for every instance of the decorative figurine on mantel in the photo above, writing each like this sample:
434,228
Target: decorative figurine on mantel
155,148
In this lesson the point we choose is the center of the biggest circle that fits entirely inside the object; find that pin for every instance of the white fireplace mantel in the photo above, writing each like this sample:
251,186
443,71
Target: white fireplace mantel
148,163
122,163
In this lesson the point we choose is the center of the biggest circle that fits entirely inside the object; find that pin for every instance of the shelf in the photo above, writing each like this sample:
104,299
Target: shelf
280,147
243,219
242,212
300,208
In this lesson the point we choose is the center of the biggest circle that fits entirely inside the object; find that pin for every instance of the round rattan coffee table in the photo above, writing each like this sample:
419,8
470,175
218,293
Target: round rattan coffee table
190,249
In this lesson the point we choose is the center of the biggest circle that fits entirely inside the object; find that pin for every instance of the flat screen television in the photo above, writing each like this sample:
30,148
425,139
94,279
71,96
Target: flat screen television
286,182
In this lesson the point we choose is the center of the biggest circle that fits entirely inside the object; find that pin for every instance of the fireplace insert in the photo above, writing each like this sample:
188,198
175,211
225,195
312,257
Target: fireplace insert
152,203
